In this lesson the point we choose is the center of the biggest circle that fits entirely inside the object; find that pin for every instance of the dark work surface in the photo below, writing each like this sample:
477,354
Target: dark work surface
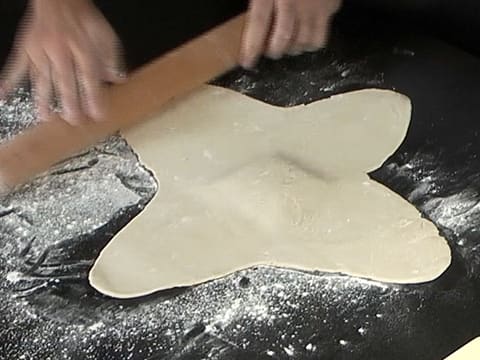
47,308
453,21
147,28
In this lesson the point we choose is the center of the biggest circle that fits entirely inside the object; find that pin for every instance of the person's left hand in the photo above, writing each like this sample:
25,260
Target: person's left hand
279,27
69,51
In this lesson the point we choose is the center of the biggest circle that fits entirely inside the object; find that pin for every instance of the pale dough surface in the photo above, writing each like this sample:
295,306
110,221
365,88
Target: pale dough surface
471,351
244,183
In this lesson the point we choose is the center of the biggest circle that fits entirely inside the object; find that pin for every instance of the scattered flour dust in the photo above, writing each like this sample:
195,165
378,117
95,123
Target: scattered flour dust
47,311
52,230
450,198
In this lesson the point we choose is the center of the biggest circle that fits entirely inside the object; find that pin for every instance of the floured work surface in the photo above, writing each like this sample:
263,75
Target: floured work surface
243,183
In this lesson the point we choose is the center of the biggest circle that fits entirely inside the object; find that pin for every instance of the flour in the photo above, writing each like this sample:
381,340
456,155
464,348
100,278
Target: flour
47,310
457,211
16,115
280,84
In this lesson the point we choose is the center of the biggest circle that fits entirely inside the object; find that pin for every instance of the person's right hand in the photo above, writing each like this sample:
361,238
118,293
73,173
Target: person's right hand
68,50
279,27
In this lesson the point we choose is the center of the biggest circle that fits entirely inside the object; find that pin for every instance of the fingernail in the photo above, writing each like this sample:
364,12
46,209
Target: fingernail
274,56
312,49
248,63
243,61
294,53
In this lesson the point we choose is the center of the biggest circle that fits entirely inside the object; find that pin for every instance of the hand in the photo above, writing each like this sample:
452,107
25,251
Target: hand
277,27
68,50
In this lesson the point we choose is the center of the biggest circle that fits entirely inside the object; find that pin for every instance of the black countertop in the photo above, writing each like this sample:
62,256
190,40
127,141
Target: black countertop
53,229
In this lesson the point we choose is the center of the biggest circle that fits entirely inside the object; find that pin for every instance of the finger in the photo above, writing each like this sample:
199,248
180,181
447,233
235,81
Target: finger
110,48
15,70
66,87
90,84
92,96
45,92
291,50
320,34
283,29
42,87
259,20
304,35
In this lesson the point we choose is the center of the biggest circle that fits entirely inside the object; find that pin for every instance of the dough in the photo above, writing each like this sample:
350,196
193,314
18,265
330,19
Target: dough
243,183
471,351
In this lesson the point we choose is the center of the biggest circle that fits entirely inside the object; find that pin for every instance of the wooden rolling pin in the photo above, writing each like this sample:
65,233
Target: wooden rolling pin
35,150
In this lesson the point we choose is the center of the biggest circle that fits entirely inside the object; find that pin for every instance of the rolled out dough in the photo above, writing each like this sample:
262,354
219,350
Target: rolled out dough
243,183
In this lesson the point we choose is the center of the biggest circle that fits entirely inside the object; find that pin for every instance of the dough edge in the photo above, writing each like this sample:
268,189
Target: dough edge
97,281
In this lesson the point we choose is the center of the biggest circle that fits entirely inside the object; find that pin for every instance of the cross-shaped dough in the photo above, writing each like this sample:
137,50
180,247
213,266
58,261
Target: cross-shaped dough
243,183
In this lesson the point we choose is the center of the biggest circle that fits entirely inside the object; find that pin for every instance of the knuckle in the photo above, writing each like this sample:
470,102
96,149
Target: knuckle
61,65
87,64
261,11
49,39
259,17
284,35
